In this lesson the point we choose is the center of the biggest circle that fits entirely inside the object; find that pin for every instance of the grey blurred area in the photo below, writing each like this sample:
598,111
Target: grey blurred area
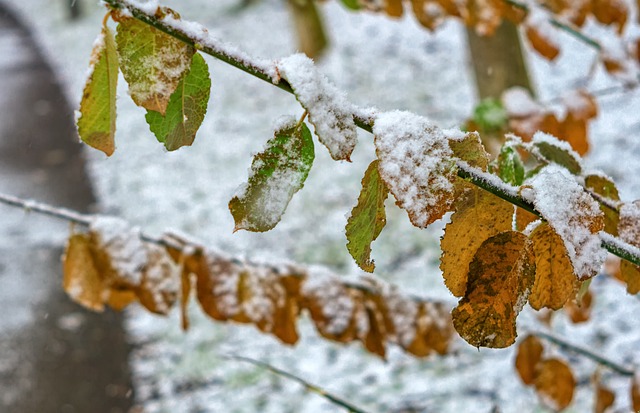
54,355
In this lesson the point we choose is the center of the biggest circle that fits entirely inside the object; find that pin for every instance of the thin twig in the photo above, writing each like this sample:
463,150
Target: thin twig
585,352
323,393
232,56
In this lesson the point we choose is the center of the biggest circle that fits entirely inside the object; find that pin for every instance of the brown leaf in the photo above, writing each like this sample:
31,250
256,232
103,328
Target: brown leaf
579,312
394,8
555,384
610,12
635,392
471,150
82,281
574,131
555,281
433,330
527,358
429,13
484,16
630,274
604,397
160,283
629,231
120,299
524,218
605,187
541,42
500,278
479,215
186,286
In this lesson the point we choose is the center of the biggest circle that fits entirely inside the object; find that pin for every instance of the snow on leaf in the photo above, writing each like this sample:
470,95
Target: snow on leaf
555,281
82,281
500,278
528,357
555,384
478,215
186,108
276,174
605,187
557,151
97,121
160,283
469,148
539,31
329,111
510,167
152,62
629,230
368,218
572,213
416,164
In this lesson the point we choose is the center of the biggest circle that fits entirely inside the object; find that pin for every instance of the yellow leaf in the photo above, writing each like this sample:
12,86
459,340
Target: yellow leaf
527,359
120,299
82,281
479,215
555,384
630,274
500,277
555,280
605,187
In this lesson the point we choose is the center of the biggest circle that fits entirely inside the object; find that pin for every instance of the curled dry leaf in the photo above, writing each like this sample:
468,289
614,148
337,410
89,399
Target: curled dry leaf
528,358
555,384
160,283
579,311
499,280
478,215
82,281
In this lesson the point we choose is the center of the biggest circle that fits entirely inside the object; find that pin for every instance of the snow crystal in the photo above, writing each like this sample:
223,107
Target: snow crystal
570,211
329,110
415,163
123,245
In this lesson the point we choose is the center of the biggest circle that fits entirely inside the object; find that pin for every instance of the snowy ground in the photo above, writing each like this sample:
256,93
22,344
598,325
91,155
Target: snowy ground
389,64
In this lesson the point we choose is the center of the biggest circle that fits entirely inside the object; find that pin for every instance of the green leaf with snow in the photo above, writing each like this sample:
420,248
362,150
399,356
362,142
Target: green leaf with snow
276,175
97,121
152,63
186,108
510,166
490,115
351,4
368,218
560,154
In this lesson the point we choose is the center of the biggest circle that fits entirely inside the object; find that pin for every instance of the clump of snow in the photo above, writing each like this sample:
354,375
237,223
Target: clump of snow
329,110
572,213
123,245
543,137
415,163
518,102
614,54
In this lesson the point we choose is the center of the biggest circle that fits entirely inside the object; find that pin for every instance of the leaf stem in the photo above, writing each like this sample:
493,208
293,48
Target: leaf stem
363,119
585,352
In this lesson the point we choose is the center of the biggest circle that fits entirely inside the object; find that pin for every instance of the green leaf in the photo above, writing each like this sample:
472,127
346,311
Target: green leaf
560,154
152,63
367,218
186,108
490,115
351,4
510,166
97,121
276,175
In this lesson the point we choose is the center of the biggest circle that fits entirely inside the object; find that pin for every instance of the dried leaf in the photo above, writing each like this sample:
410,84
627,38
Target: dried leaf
528,357
541,42
276,175
574,131
429,13
523,218
629,231
579,310
500,278
160,282
484,16
605,187
604,397
97,121
630,274
555,384
610,12
479,215
82,281
368,218
470,149
152,62
555,281
394,8
185,110
120,299
635,392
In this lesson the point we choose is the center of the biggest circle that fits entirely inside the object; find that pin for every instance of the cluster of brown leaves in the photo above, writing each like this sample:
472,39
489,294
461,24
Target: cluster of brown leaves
114,267
526,117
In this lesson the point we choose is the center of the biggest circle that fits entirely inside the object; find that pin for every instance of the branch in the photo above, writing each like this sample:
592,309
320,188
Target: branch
585,352
198,37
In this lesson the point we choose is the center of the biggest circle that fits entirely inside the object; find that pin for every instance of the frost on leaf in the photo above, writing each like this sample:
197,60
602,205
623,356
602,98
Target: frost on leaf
82,281
160,283
152,62
555,281
500,278
97,120
185,110
528,357
469,148
276,174
555,384
329,111
629,230
367,218
572,213
606,188
416,164
478,215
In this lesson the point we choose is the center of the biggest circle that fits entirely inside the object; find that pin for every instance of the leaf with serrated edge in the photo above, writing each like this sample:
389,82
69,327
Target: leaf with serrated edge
81,279
555,384
97,121
186,109
527,358
368,218
152,63
555,279
479,215
276,175
470,149
556,151
500,278
605,187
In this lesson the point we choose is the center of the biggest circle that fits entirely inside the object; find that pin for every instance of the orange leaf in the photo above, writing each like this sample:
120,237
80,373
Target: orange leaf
605,187
394,8
527,359
629,231
82,281
574,131
580,312
635,392
610,12
604,397
555,384
542,43
160,283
